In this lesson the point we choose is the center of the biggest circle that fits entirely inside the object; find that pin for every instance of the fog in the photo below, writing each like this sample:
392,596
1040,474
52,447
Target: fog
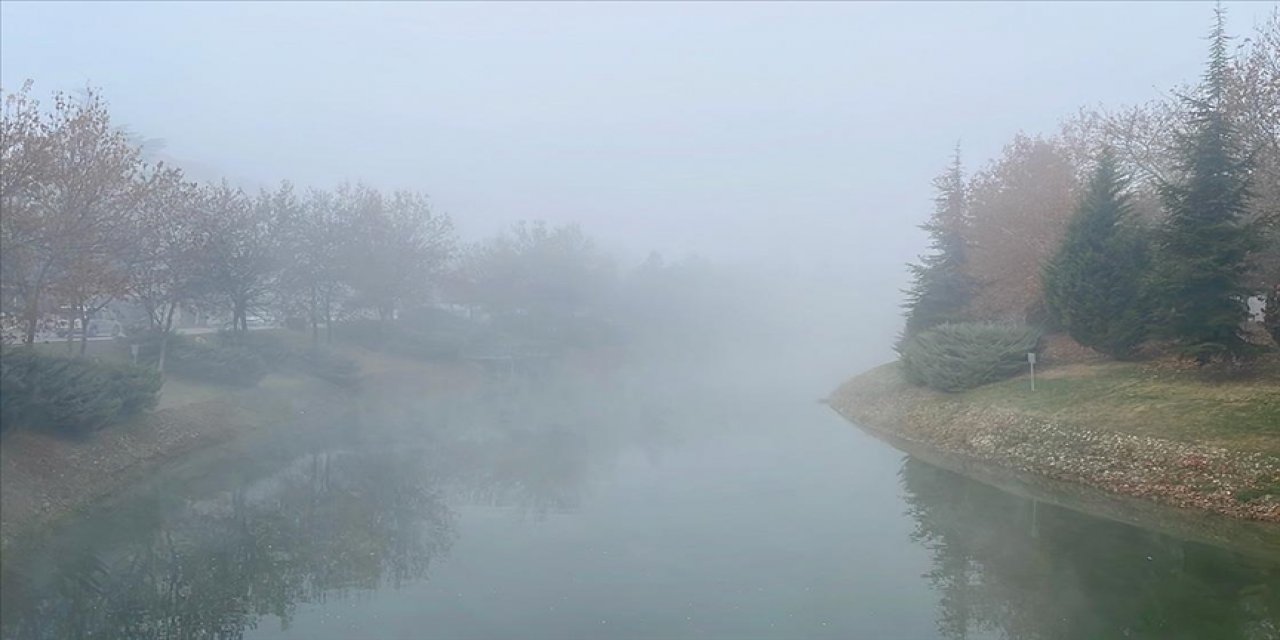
514,319
800,134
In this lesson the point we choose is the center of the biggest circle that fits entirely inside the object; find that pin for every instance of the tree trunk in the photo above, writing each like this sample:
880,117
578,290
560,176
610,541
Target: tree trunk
328,318
238,313
164,337
33,319
315,320
84,330
71,330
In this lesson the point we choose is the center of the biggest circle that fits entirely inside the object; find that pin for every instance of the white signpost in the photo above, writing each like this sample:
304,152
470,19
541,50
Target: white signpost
1031,360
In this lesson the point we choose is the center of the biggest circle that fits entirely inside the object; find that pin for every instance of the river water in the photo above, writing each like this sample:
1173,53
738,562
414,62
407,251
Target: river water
631,505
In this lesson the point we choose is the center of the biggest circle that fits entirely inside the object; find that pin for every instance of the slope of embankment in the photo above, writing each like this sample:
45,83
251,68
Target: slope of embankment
1158,433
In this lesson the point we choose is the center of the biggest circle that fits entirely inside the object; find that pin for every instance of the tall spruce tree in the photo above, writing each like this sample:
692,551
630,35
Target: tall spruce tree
1094,285
941,288
1207,239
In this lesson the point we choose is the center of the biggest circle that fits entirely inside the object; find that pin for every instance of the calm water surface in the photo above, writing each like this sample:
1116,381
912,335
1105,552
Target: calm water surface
625,506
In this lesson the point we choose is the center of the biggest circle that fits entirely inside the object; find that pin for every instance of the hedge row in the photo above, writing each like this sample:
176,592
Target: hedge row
955,357
205,359
244,359
402,338
71,395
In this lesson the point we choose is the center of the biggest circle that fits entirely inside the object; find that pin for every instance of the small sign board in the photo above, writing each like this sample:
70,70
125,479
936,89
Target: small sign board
1031,358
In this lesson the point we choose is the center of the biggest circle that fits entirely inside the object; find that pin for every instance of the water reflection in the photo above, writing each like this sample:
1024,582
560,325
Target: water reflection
1008,566
329,524
366,509
667,509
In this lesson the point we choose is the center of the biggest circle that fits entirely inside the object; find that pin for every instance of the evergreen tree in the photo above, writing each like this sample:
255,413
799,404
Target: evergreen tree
1093,286
942,289
1207,239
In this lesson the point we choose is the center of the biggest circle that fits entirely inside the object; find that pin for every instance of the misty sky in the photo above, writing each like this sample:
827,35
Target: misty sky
805,132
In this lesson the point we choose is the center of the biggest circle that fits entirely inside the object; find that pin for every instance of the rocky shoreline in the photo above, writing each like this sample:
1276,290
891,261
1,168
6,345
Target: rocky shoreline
1176,474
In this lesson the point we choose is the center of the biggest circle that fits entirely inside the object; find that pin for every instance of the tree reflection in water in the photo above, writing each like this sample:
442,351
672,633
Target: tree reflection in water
329,524
1008,566
370,513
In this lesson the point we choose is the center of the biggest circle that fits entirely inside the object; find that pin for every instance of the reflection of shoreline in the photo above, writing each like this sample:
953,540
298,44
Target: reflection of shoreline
1027,569
1255,538
324,526
361,500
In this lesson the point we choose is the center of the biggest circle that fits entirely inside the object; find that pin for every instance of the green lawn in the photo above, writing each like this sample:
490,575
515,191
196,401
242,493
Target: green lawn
1146,400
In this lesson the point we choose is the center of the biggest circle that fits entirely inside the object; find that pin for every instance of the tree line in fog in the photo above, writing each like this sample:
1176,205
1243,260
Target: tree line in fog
88,222
1154,222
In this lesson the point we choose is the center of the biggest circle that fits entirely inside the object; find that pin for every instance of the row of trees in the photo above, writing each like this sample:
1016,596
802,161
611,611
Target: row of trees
1156,221
86,222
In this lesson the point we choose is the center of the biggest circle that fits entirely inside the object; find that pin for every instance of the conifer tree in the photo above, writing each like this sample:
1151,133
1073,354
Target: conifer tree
1207,239
1094,285
941,287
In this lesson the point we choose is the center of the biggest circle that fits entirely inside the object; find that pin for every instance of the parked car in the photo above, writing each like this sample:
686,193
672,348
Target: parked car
105,328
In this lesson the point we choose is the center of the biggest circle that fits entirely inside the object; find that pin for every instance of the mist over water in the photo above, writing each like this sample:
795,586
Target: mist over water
538,307
662,501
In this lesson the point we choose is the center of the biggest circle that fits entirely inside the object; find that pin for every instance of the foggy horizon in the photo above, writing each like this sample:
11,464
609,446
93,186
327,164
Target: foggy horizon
807,133
640,320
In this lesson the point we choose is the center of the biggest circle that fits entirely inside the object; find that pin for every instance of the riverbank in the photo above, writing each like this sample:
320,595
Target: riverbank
45,477
1157,433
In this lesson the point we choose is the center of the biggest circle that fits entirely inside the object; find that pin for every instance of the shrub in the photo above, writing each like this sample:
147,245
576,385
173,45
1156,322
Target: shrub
137,387
71,395
210,361
402,338
271,346
955,357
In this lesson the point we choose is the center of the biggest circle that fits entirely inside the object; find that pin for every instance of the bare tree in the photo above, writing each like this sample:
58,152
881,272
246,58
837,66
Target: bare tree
544,278
397,248
168,235
23,160
1253,100
315,274
239,257
65,224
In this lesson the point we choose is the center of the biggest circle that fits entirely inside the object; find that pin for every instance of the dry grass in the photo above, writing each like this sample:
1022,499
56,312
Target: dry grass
1150,400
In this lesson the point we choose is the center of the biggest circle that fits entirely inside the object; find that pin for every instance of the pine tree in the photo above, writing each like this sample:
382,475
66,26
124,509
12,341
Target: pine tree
1207,240
1094,285
942,289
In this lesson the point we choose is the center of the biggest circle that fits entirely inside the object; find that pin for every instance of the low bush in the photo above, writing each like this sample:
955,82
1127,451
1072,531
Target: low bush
137,387
402,338
71,395
207,360
955,357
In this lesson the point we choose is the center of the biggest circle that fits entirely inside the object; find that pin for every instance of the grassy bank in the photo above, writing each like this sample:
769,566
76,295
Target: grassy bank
1144,400
1153,431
